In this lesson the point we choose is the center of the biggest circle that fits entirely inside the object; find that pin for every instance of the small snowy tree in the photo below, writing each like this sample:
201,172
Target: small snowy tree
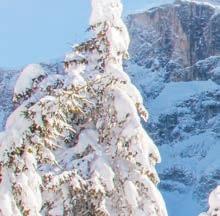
75,145
214,203
27,81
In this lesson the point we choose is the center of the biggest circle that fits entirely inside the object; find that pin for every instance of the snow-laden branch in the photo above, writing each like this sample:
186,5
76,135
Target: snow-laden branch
76,145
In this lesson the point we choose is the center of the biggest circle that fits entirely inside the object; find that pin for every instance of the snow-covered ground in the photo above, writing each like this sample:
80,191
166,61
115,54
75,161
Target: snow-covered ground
177,92
190,158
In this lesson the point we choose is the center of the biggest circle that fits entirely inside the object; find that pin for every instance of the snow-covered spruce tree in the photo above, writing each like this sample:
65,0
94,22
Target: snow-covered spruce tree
214,203
75,144
28,81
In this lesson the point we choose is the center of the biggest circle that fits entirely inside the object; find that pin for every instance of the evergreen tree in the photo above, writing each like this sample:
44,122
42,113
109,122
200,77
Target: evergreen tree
75,144
214,203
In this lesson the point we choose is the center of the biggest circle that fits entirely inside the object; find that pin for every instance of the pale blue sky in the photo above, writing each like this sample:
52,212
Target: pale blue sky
41,30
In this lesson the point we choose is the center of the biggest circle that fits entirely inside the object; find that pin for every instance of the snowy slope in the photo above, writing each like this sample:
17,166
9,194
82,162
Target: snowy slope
7,82
185,122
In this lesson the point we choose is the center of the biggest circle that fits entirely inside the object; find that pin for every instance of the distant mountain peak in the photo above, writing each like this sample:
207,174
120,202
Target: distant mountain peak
175,62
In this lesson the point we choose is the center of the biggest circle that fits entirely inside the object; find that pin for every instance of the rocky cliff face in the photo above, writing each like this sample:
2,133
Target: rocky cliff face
184,32
7,81
175,62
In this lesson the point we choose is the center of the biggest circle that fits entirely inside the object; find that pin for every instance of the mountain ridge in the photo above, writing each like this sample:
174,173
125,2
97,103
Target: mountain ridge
179,78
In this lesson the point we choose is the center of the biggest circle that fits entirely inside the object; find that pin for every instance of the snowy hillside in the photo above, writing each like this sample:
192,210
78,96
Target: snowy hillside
7,82
184,122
